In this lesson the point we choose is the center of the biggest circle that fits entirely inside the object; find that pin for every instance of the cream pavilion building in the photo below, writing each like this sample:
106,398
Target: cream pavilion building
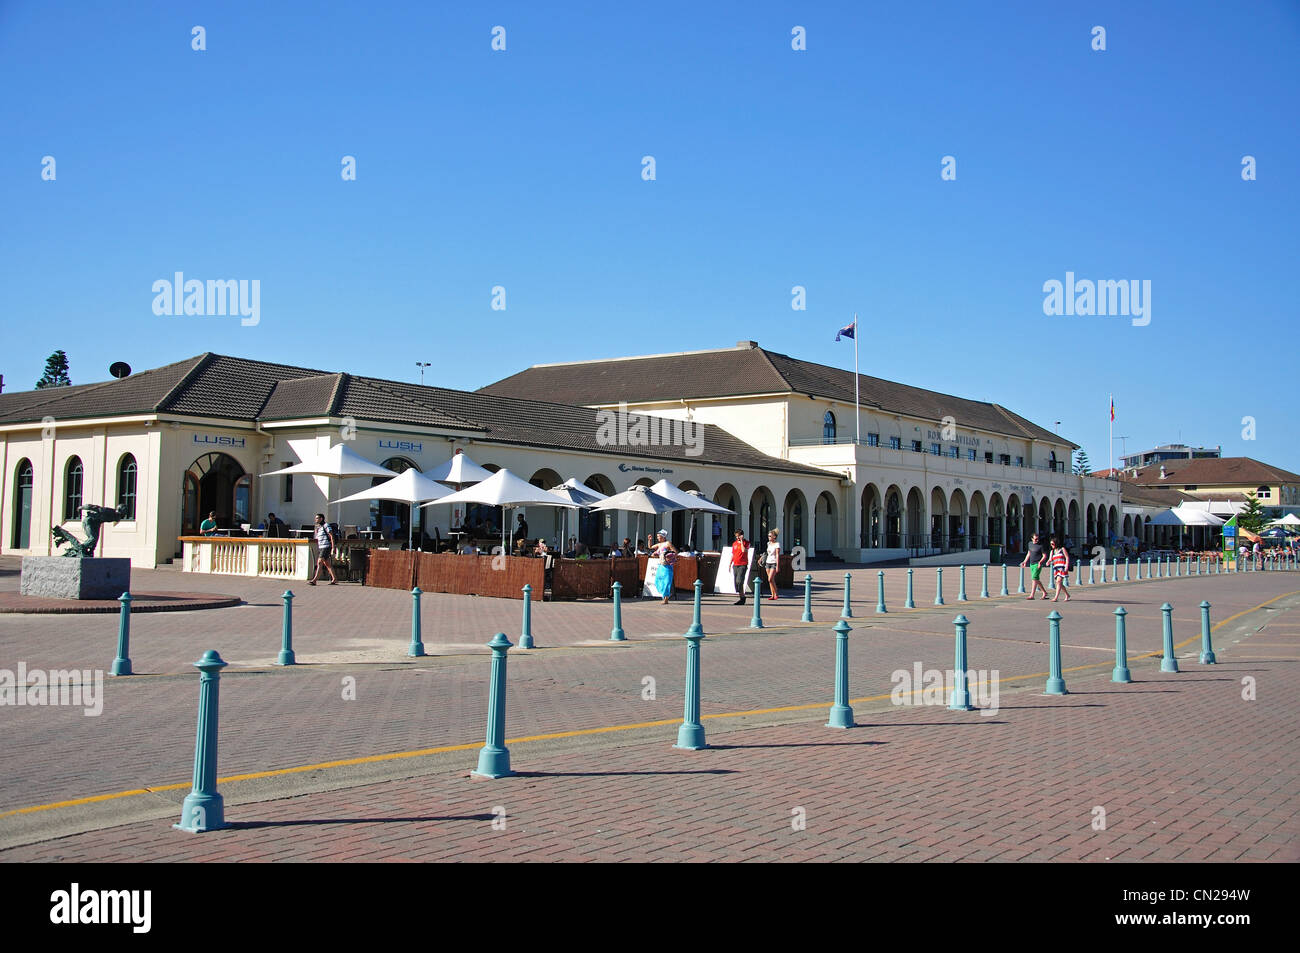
931,473
766,435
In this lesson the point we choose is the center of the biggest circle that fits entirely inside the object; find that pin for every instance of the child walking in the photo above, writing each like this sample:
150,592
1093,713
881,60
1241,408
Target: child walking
1060,563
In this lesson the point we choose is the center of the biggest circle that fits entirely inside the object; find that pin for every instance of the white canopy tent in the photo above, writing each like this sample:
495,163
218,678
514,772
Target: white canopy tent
339,461
575,496
411,487
692,500
639,499
1180,517
505,490
458,471
1290,519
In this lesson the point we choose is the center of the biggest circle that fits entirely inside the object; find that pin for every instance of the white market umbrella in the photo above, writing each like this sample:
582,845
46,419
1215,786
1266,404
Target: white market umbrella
338,461
458,471
505,490
576,496
1289,520
692,500
639,499
410,487
1180,517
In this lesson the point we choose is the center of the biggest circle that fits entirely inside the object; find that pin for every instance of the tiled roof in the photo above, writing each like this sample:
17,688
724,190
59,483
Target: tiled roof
214,385
1213,471
144,392
745,370
1152,496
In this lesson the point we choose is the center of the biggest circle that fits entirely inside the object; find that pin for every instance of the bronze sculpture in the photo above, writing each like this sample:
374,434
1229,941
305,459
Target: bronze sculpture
92,517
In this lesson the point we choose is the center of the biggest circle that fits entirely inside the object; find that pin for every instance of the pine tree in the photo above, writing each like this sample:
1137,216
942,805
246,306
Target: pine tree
1081,465
56,372
1252,517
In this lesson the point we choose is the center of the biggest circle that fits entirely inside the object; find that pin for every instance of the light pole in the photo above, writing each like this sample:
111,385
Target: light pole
422,365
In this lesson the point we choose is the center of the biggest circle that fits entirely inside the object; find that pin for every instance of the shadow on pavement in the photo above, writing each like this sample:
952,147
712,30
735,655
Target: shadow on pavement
309,821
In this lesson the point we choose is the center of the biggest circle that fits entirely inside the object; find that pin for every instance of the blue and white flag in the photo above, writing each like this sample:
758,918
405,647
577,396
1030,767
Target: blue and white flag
849,332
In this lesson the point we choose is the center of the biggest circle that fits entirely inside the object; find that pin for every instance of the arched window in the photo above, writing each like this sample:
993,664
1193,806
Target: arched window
1263,493
828,428
126,474
72,478
22,523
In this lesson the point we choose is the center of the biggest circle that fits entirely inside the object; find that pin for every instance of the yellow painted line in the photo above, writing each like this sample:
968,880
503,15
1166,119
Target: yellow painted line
398,755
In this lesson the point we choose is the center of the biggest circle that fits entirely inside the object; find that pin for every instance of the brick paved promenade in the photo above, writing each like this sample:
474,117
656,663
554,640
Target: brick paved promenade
1182,765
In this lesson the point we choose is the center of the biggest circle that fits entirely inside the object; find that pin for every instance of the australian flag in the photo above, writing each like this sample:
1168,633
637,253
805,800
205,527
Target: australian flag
850,331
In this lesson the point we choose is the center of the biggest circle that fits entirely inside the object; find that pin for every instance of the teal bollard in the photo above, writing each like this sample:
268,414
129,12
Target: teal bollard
417,642
756,621
880,591
691,734
1078,574
984,581
696,628
494,756
1121,673
848,589
938,586
807,599
1168,568
960,698
616,634
1178,566
1168,663
841,714
1055,682
961,588
204,808
526,632
122,664
1091,569
1020,590
910,603
1207,650
1004,581
1126,579
286,656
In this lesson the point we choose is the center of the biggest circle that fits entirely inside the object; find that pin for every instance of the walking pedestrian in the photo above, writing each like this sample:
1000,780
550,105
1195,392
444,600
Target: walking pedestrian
1059,560
741,554
326,543
772,562
1034,556
667,552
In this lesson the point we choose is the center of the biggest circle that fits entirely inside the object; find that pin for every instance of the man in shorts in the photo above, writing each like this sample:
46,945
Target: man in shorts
325,546
1034,557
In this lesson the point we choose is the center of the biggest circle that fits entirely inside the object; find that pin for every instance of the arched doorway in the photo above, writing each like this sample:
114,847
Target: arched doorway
793,511
1015,536
996,519
894,518
825,513
24,477
761,517
872,514
597,529
392,516
916,535
938,520
728,496
216,483
957,521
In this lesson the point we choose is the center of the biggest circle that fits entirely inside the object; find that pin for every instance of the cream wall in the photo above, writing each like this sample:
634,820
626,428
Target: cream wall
100,448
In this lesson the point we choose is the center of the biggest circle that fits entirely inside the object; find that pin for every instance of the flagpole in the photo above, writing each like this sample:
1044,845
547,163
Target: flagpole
857,408
1110,456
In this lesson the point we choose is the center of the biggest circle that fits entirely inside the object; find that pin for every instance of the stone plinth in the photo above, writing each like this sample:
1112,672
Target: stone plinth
63,577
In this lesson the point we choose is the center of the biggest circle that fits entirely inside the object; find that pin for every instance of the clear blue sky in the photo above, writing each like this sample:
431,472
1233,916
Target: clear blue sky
775,168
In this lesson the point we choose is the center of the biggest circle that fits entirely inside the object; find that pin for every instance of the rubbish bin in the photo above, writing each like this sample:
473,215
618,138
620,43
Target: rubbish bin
995,553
